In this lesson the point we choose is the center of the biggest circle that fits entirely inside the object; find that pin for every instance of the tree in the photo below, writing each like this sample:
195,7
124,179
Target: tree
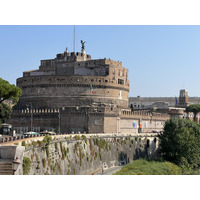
5,112
9,92
195,108
180,143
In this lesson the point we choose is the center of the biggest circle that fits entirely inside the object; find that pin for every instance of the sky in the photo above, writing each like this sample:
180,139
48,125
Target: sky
161,59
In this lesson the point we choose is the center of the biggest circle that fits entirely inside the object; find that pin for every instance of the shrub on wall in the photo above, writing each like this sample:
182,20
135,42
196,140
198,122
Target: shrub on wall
83,137
47,140
44,162
26,165
23,143
77,137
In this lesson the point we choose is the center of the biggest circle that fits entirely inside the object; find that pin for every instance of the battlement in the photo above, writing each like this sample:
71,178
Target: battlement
73,56
144,114
40,111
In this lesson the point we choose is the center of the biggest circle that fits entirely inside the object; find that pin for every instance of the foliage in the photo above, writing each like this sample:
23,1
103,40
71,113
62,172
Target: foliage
180,143
77,137
56,146
83,137
39,143
47,152
8,91
5,112
96,155
26,165
23,143
144,167
37,158
103,144
34,143
47,140
195,108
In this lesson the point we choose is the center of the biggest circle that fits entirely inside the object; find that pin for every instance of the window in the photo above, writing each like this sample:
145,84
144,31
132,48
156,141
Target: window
121,81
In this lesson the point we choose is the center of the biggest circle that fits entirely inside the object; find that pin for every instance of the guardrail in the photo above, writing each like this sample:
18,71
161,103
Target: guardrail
8,139
11,139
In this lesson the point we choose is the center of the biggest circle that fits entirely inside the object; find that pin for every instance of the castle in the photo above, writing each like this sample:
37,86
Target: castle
75,93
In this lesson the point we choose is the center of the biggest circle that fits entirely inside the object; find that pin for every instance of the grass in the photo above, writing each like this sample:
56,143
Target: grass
144,167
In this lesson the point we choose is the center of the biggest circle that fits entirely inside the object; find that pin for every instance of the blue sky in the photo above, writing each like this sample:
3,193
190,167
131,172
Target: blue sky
161,59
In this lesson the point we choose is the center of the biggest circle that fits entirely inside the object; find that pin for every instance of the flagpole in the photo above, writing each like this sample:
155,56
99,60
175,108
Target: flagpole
74,38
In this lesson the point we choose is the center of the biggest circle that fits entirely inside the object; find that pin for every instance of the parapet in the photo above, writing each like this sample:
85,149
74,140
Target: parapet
144,114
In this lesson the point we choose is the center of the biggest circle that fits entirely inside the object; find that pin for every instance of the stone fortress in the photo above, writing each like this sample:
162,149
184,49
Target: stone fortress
75,93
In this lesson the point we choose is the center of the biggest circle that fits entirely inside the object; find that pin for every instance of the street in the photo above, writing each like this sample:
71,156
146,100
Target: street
110,171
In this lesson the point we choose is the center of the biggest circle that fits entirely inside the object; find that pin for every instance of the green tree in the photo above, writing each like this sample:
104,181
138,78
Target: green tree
5,113
195,108
180,143
8,91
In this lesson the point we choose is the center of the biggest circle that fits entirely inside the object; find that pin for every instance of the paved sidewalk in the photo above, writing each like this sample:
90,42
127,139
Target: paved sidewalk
110,171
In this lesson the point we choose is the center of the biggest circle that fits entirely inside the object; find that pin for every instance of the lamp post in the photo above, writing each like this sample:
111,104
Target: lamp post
31,111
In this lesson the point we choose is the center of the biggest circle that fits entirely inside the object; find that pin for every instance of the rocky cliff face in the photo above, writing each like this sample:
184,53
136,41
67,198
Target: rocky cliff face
81,155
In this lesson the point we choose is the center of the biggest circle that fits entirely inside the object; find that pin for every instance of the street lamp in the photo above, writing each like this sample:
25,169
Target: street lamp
31,111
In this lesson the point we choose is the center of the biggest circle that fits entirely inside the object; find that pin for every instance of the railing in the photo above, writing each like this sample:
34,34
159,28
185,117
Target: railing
9,139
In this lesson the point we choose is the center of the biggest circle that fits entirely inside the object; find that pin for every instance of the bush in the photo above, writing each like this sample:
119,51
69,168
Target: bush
56,146
144,167
34,143
23,143
83,137
39,143
77,137
180,143
26,165
47,140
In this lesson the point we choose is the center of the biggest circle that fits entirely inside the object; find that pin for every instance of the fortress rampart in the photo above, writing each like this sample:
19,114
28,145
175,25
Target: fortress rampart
75,93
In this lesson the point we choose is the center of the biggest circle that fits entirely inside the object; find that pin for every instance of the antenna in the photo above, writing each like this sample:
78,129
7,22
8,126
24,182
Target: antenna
74,38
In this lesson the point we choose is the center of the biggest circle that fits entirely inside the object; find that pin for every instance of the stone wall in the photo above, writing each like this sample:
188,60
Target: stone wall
58,91
88,155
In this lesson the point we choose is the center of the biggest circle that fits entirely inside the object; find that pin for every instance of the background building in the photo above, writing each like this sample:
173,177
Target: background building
75,93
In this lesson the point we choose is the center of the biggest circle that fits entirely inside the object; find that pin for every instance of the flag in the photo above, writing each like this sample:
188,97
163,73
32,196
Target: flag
176,100
91,89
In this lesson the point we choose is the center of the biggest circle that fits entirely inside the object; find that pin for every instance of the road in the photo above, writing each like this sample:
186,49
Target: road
110,171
